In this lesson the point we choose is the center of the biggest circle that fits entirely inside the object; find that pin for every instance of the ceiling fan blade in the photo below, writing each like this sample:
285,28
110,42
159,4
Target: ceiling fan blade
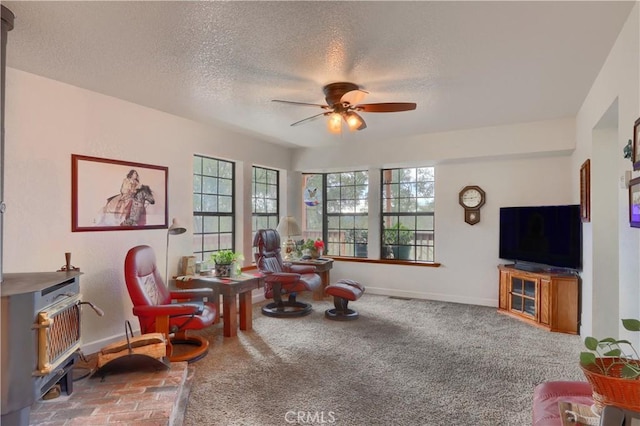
354,97
300,103
313,117
386,107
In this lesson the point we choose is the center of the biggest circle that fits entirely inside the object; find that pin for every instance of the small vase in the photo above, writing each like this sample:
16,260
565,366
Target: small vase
316,253
224,269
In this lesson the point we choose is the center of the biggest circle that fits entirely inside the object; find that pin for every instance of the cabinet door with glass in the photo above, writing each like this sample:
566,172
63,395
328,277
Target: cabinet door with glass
523,296
546,299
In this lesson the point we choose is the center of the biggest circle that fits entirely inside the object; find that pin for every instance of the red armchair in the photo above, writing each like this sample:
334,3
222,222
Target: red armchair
282,278
152,304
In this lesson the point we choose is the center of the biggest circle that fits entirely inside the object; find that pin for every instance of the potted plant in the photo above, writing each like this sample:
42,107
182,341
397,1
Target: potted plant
612,367
313,248
226,262
358,237
397,239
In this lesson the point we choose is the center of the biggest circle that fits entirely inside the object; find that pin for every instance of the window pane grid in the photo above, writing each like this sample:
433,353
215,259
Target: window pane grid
347,209
408,204
264,198
213,206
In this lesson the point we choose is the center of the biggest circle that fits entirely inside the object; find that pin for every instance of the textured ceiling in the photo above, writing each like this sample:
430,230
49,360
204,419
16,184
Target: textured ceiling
466,64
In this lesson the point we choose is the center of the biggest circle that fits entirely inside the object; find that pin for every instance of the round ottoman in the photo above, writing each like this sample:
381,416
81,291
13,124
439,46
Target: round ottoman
343,292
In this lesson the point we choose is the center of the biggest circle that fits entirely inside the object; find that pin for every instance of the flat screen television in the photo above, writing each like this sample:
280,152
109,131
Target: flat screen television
541,236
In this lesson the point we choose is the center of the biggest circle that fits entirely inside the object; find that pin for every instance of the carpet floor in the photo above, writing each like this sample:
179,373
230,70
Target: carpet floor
403,362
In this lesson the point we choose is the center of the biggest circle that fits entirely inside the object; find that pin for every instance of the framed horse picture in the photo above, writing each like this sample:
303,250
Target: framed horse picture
110,195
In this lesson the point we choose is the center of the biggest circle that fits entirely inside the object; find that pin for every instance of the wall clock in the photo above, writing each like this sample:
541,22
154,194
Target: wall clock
472,197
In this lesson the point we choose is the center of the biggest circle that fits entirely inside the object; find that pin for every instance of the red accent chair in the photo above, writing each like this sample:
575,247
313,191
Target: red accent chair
546,396
282,278
152,304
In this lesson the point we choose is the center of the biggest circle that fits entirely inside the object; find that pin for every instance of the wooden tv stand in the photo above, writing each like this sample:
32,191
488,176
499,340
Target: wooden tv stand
545,299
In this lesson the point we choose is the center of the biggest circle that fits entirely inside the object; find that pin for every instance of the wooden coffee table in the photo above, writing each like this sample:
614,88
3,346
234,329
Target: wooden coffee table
229,288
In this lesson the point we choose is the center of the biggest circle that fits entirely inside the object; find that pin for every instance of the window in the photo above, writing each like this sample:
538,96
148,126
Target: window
347,213
264,199
408,201
341,219
213,206
313,209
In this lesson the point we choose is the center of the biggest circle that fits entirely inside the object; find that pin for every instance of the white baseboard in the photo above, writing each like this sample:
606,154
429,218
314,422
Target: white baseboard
431,296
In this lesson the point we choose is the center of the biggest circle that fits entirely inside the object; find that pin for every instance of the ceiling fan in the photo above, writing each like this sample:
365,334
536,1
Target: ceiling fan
343,103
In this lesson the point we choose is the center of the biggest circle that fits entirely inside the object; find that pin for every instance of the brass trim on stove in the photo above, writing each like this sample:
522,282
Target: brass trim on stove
58,334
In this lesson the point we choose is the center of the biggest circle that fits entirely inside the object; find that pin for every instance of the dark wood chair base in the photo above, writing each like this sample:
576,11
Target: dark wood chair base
287,309
343,291
201,348
339,315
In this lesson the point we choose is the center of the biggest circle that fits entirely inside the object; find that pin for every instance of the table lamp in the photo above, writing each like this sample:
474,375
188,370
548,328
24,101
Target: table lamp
176,228
287,228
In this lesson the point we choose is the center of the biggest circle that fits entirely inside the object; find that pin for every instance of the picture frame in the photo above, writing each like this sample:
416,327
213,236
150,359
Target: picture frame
634,202
635,158
114,195
585,191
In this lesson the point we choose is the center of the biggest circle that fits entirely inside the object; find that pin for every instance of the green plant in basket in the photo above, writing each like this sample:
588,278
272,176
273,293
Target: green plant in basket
225,257
227,263
610,355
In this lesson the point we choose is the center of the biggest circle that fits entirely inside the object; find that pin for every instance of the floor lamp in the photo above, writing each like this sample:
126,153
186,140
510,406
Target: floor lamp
287,228
175,229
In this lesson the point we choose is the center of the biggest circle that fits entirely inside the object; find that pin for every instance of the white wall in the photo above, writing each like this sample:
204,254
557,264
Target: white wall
523,164
617,84
47,121
604,188
554,137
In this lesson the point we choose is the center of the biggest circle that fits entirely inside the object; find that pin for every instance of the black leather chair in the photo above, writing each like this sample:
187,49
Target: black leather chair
282,278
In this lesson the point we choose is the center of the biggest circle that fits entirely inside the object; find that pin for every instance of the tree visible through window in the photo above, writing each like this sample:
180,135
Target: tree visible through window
408,205
264,199
347,213
213,206
336,208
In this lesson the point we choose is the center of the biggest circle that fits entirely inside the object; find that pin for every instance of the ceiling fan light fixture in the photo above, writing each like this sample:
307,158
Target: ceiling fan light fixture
354,121
335,123
343,103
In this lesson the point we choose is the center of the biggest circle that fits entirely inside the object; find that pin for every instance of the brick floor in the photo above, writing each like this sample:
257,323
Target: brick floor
137,398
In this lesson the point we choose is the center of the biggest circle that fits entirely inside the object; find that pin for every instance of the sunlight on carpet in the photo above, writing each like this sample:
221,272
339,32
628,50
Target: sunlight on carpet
403,362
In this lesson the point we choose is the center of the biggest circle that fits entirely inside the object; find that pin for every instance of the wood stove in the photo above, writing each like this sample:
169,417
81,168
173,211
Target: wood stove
40,323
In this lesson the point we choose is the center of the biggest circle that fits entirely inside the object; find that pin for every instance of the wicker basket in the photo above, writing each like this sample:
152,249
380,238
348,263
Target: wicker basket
612,389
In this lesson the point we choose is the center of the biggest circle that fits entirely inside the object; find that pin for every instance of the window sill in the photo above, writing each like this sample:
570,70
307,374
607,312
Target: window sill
385,261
